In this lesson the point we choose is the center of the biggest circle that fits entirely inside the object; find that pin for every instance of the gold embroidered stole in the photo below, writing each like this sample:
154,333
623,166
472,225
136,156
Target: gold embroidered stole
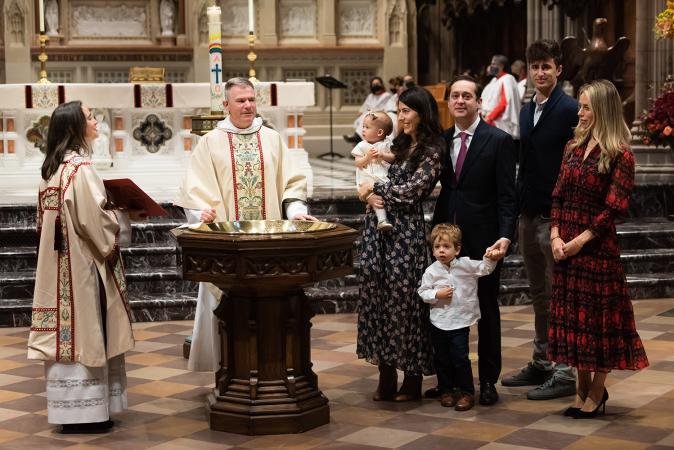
248,176
62,318
65,320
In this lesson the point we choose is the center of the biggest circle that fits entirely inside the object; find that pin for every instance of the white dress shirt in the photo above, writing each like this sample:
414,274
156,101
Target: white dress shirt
456,143
463,309
539,109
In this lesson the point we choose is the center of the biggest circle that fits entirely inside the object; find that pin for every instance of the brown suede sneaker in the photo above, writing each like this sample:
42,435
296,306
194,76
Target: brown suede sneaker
465,402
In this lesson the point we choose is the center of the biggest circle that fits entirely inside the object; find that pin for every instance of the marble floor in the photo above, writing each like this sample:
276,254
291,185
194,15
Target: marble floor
166,402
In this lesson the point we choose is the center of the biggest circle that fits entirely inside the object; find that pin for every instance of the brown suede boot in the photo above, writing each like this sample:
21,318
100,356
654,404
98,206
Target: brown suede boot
410,389
388,384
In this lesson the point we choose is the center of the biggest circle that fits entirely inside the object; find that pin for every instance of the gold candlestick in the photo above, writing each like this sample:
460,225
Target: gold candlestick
43,59
251,57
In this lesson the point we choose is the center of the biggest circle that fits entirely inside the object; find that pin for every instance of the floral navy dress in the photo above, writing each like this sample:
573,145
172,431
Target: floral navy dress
393,322
591,318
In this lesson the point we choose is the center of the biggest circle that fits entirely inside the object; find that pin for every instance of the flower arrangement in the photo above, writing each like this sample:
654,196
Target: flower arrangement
657,123
664,22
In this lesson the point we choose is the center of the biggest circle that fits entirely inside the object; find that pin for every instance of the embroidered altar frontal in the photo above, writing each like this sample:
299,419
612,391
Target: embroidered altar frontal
146,95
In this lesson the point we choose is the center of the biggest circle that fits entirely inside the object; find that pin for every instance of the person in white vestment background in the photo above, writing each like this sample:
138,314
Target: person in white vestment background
222,183
376,100
501,101
81,324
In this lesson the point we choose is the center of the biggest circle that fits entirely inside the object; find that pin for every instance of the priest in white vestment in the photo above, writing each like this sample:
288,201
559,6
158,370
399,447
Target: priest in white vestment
501,102
241,170
81,321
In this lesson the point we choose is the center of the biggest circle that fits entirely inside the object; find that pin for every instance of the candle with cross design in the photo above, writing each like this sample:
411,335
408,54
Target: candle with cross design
215,58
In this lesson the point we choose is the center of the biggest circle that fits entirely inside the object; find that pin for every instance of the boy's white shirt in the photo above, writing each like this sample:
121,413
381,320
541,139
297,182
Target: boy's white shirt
463,310
377,170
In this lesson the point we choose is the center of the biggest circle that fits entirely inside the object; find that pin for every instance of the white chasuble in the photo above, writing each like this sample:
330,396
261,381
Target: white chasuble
243,175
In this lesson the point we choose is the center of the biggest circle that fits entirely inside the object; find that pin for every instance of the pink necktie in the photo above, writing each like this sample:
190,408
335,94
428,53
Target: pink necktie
462,155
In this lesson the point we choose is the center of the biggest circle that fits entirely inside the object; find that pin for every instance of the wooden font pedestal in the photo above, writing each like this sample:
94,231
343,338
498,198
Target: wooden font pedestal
265,383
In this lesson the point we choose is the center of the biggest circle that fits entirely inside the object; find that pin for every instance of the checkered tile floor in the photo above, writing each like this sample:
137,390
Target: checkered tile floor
166,402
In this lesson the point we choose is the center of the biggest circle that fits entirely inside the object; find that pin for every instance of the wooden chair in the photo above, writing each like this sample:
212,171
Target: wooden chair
439,93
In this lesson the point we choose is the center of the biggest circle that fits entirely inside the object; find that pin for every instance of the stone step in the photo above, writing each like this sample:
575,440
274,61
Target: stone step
144,308
158,231
15,312
512,292
167,281
137,256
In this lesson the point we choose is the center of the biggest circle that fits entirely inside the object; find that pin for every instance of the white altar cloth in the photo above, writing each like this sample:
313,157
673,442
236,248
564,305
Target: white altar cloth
126,109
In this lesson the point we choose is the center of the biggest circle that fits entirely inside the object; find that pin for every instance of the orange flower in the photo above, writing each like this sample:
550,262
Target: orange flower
667,131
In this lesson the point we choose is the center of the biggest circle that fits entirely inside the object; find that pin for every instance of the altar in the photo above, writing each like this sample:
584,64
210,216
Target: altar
144,130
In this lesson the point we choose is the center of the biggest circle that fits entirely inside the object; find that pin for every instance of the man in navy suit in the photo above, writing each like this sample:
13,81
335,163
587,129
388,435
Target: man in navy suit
478,194
546,125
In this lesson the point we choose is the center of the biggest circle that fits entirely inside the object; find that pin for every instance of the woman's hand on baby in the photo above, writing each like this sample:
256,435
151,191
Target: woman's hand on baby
445,293
364,189
375,201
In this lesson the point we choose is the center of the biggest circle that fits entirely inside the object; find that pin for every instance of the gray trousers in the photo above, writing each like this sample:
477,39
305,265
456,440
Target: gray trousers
534,244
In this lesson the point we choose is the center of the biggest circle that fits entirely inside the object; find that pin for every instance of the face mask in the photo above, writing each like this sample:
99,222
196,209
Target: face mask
376,88
493,71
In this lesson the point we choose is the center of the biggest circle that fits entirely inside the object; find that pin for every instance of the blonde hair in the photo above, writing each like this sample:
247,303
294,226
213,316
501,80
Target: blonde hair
608,126
447,230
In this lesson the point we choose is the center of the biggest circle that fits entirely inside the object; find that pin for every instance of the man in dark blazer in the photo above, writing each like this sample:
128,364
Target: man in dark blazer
478,194
546,125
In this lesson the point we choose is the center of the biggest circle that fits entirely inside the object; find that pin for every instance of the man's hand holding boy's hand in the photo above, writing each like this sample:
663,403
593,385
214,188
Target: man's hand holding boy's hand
494,254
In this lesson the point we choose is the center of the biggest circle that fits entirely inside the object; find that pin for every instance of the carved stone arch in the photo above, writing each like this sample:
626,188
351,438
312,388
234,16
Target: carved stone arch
16,22
200,22
395,21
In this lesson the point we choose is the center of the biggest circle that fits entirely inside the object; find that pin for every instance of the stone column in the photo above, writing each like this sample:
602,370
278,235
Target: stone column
327,13
197,31
542,23
394,38
267,21
19,33
654,60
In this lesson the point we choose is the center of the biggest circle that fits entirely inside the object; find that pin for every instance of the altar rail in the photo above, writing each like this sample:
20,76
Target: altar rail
144,130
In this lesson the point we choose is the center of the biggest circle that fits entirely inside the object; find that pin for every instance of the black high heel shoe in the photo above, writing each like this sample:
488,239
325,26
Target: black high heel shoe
592,414
571,411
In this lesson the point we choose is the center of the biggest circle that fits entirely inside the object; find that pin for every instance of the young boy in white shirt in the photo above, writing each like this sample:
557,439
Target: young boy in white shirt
374,157
450,286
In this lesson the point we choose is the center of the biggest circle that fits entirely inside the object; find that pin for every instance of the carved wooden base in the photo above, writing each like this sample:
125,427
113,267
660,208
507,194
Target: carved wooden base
224,414
265,384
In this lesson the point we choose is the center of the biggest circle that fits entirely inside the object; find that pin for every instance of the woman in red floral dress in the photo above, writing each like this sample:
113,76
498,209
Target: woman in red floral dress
591,319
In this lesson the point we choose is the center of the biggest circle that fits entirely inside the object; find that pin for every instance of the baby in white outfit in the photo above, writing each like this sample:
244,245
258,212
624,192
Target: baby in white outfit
373,156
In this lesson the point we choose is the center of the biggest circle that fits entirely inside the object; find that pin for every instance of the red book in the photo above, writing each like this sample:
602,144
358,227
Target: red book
127,195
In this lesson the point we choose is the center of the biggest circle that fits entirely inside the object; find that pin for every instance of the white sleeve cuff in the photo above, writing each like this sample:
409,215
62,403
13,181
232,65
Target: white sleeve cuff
193,216
295,208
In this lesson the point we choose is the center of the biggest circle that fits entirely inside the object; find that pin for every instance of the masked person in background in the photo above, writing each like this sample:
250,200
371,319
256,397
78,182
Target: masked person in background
376,100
